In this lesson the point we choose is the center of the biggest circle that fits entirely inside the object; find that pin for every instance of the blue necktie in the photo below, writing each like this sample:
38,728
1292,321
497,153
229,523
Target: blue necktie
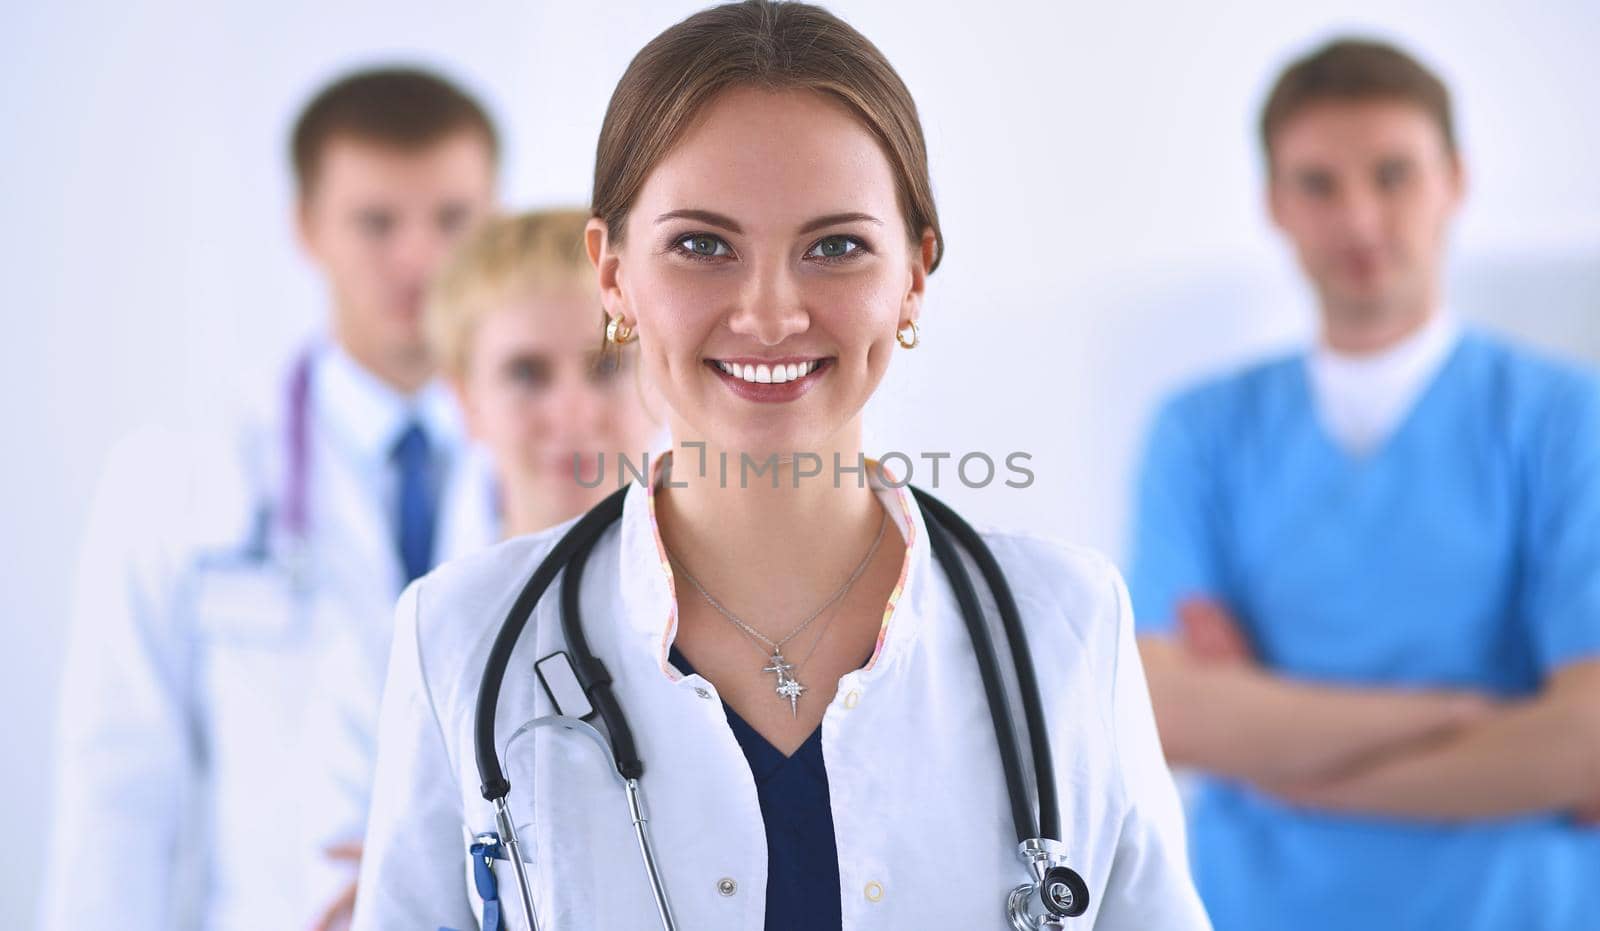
417,511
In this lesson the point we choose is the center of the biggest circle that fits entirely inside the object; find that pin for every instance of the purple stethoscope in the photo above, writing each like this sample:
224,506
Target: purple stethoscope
294,517
298,444
280,533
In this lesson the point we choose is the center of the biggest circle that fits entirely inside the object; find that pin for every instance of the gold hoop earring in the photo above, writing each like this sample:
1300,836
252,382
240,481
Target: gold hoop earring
619,333
916,335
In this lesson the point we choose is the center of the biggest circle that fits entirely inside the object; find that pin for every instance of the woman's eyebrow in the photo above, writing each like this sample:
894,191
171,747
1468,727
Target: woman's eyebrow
704,216
732,226
836,219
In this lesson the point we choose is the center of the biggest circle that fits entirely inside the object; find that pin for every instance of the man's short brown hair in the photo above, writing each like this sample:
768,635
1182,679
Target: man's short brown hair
407,108
1349,70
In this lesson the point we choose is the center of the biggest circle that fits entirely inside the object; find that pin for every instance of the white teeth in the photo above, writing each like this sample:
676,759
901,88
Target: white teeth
770,375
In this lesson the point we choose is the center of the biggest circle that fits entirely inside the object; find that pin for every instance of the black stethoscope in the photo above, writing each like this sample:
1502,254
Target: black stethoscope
1056,891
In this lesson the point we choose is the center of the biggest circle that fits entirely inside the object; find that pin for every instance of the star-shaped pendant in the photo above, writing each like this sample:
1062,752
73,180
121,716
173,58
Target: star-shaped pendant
792,690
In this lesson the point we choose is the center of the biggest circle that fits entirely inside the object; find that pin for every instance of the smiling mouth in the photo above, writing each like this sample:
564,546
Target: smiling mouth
768,373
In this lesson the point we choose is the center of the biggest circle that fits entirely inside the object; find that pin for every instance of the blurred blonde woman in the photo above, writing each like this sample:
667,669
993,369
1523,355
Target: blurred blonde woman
515,322
516,325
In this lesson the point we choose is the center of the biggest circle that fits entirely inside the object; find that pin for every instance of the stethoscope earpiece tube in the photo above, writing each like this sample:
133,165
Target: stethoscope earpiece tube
1021,658
1057,892
1005,731
492,780
591,672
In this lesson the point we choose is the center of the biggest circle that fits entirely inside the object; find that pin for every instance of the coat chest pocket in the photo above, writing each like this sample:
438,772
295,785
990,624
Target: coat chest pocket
249,605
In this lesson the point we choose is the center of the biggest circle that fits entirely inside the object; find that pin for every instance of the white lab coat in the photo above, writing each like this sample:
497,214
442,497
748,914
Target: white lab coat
921,815
183,760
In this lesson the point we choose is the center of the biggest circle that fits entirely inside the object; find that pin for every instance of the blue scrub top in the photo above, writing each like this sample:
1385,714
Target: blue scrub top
802,858
1462,553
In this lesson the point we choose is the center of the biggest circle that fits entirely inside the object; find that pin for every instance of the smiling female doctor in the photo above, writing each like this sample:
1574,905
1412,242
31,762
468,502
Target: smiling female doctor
764,224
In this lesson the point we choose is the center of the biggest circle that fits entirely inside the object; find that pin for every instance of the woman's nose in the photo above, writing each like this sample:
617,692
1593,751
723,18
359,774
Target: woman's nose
771,307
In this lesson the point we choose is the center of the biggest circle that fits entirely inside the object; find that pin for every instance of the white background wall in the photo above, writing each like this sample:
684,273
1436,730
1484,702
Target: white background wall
1095,166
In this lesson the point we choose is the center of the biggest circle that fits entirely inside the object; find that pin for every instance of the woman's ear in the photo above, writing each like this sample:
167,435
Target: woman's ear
921,261
607,265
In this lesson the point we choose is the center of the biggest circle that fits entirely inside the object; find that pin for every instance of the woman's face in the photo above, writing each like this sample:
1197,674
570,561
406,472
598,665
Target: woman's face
536,393
767,267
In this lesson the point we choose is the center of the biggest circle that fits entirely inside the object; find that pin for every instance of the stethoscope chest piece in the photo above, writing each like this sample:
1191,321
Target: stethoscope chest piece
1056,894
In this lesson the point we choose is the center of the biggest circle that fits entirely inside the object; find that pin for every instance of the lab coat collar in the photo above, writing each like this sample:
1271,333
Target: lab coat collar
649,591
368,414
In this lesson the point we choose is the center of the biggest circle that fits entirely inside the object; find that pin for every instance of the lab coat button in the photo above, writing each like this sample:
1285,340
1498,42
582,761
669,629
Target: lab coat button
727,886
874,891
851,698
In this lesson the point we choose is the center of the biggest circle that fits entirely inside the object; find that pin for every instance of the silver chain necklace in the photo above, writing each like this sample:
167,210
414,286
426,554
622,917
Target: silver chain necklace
787,686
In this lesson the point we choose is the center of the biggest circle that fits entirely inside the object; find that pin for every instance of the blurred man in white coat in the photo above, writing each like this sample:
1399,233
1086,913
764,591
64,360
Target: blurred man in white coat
219,567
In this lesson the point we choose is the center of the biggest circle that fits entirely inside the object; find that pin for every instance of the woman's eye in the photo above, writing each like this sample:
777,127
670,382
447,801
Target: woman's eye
376,224
834,247
704,246
529,373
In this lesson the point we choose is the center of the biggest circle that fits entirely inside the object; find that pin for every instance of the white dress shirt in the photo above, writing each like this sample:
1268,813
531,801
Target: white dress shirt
183,752
920,810
363,418
1362,399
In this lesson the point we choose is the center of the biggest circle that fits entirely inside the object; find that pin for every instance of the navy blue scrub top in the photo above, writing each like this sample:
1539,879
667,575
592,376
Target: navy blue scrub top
802,861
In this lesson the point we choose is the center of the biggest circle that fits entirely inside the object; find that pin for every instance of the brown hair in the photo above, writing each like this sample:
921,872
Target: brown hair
407,108
1351,69
778,46
507,258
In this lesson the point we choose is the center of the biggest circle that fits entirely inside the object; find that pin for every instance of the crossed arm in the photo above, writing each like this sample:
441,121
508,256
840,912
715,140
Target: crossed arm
1434,755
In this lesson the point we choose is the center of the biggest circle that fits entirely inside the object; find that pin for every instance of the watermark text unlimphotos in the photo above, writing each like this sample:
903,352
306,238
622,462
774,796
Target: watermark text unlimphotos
894,468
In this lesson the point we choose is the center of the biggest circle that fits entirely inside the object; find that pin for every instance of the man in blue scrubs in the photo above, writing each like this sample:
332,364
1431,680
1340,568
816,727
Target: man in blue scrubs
1367,575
